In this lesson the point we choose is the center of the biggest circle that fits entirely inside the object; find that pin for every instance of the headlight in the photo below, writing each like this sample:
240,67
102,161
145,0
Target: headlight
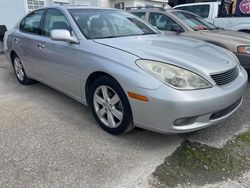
174,76
244,49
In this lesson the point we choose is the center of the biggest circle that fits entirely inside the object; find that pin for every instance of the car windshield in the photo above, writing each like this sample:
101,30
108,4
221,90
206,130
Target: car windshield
97,24
193,21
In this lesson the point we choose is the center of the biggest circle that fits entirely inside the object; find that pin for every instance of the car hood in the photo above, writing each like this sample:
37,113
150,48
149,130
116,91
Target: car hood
228,39
185,52
233,36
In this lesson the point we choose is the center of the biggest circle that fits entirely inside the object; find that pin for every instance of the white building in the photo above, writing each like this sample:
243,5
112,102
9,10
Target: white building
13,10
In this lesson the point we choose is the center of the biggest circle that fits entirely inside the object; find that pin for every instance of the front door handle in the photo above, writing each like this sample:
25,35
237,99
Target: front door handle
16,40
41,46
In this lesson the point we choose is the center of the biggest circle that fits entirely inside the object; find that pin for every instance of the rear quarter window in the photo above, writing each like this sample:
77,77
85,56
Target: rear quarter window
200,10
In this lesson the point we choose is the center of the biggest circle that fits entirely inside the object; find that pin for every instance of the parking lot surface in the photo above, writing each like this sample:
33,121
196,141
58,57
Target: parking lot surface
48,139
1,47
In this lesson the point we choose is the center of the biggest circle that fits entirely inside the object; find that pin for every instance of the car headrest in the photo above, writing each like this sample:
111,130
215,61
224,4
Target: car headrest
60,25
97,23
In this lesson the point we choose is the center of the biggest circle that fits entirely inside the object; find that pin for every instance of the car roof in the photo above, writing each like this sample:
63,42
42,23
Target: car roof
88,8
170,10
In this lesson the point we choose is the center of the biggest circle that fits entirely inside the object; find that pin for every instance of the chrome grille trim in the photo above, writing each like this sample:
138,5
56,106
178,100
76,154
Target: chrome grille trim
226,77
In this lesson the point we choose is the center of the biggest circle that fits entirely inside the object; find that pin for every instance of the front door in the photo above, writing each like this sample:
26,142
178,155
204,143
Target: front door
59,60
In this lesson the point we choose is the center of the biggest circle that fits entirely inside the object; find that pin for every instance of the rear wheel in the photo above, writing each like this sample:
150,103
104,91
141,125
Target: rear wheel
20,72
110,106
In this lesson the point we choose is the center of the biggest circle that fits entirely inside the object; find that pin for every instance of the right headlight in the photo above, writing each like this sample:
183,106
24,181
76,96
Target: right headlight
174,76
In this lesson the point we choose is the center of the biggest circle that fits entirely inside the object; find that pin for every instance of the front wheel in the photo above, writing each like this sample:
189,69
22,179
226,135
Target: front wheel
110,106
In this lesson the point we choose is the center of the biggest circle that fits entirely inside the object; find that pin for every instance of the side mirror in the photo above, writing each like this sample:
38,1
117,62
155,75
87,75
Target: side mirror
62,35
176,28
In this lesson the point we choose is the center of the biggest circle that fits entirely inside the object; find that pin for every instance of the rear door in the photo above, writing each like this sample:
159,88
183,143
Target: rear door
25,42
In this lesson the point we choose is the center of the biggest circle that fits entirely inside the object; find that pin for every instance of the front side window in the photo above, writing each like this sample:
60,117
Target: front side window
31,23
200,10
193,21
161,21
54,19
140,14
96,24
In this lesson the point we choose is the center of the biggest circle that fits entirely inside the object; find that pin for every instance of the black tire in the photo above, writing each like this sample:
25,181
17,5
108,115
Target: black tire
25,80
126,124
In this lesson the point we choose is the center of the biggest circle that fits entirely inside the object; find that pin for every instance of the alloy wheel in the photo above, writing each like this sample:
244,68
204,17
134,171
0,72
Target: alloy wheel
108,106
19,69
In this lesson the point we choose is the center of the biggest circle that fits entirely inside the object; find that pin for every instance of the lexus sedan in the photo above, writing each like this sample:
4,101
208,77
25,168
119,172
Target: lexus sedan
183,23
125,70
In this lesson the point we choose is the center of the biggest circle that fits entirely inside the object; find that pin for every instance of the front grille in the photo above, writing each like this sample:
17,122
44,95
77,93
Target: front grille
226,77
226,111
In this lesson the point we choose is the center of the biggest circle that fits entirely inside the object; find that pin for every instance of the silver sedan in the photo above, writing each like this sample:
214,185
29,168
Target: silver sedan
125,70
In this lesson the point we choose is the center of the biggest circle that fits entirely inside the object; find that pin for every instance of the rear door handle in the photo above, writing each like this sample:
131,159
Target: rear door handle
41,46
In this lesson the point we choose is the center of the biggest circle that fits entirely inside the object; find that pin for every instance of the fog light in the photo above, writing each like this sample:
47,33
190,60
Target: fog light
185,121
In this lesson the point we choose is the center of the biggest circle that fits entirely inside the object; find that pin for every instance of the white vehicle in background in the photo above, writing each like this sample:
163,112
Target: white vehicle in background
221,14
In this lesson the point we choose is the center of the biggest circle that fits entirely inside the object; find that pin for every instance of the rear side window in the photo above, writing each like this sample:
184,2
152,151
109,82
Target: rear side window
54,19
31,23
140,14
200,10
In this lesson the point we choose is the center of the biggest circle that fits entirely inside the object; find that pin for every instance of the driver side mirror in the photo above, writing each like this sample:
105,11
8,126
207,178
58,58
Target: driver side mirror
62,35
177,28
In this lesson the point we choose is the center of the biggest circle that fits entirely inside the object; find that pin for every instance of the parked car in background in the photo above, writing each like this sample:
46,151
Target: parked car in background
183,23
125,70
219,15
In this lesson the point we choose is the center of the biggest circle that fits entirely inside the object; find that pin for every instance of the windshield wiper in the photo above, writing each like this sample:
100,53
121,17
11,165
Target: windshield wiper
107,37
149,33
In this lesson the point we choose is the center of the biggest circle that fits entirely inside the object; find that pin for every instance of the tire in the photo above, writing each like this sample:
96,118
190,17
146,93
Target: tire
20,72
110,106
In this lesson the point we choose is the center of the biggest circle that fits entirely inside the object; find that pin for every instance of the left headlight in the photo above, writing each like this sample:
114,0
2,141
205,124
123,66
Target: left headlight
173,76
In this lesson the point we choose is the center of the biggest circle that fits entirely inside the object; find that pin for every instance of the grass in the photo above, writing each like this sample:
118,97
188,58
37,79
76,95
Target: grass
244,137
200,164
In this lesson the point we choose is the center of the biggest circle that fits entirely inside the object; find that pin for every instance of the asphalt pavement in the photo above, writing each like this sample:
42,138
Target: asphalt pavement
47,139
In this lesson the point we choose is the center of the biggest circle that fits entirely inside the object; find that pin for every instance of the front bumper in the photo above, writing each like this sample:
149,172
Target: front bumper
166,105
244,60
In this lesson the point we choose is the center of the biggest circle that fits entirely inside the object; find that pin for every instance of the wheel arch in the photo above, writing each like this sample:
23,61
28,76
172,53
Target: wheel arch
12,53
245,30
94,76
